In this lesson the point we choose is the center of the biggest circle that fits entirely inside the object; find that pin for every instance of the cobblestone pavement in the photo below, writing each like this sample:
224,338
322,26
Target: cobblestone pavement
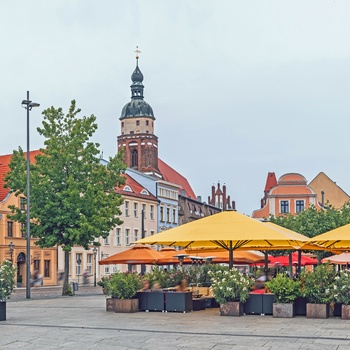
81,322
53,292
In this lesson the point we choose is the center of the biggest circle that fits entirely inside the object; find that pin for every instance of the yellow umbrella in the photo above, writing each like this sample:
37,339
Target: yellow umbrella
229,230
334,240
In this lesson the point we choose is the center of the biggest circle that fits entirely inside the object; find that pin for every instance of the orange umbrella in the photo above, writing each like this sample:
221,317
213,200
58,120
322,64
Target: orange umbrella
136,255
217,255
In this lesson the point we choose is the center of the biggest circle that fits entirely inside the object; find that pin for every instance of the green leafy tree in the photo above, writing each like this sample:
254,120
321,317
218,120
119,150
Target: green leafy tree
314,221
73,198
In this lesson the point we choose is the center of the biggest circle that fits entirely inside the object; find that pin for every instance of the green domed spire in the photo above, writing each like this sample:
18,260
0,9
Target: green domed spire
137,107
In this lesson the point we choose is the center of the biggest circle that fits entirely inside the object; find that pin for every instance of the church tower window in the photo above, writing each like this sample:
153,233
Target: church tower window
134,160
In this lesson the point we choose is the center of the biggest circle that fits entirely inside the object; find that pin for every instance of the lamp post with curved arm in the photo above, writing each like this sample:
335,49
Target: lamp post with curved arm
28,105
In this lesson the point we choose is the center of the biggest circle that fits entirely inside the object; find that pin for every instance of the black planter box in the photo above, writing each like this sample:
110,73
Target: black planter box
198,304
156,301
151,301
259,304
2,310
178,301
337,310
300,306
254,305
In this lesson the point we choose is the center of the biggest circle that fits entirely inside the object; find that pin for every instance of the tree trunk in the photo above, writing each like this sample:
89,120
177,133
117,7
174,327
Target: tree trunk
66,290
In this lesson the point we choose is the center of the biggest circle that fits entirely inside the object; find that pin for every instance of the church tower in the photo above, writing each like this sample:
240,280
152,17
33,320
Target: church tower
137,129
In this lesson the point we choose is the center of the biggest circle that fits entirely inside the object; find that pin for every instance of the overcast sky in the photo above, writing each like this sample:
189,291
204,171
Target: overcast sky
238,88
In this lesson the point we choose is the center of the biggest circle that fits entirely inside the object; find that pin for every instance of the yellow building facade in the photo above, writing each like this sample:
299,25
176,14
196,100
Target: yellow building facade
42,260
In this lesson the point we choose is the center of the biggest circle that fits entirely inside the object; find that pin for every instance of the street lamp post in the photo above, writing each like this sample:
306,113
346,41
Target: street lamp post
95,253
12,248
28,105
79,264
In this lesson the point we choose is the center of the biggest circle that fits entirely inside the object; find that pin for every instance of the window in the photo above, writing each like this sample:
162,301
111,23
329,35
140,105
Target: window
144,210
106,240
117,237
174,216
147,122
299,206
122,124
127,236
136,233
135,210
22,203
284,207
106,269
167,214
126,206
115,268
162,214
152,232
36,264
89,263
47,271
9,228
23,230
137,122
151,212
134,157
127,188
78,264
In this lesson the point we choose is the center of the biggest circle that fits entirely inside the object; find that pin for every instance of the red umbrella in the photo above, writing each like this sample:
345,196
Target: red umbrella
284,260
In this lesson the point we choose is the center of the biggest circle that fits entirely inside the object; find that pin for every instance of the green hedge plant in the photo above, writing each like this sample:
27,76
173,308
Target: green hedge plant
341,287
317,286
124,285
285,289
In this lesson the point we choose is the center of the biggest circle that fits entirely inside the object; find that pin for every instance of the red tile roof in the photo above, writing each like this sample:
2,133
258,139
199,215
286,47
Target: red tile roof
136,189
271,181
171,175
4,168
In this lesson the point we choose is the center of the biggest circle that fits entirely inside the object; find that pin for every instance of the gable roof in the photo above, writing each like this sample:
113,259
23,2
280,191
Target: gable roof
332,192
271,181
171,175
136,188
4,168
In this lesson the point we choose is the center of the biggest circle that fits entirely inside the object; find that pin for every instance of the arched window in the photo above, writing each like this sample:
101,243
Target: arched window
134,156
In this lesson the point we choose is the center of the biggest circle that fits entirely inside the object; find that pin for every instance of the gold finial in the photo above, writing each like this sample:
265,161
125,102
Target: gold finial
137,51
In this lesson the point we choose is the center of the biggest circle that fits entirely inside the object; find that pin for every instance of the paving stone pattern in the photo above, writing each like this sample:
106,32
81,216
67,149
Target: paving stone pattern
81,322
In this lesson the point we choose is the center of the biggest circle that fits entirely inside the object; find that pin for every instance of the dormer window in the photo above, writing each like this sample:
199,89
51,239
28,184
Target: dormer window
127,188
145,192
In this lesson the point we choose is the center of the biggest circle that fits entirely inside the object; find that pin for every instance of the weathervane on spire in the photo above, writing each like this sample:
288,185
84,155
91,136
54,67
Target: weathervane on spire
137,51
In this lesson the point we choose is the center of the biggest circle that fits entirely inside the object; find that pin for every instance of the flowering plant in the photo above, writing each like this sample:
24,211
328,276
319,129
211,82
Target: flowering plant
284,288
123,285
317,286
230,285
342,287
7,279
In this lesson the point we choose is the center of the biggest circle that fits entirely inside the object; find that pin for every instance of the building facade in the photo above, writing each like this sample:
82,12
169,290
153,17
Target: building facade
14,233
328,191
290,195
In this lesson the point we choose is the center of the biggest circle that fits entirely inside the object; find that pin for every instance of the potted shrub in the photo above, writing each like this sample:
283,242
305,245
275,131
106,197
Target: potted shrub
7,283
122,287
230,289
103,283
342,293
317,287
286,291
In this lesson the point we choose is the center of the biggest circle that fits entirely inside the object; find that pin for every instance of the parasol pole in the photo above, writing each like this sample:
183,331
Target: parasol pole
230,255
266,254
299,262
290,265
